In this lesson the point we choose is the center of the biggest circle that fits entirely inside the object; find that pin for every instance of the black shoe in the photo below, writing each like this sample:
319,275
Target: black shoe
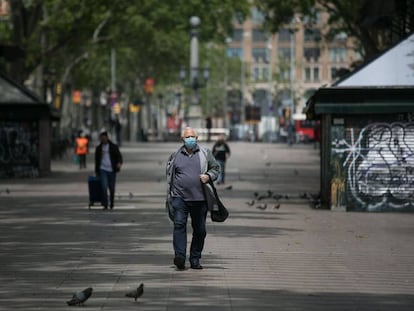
196,265
111,206
179,262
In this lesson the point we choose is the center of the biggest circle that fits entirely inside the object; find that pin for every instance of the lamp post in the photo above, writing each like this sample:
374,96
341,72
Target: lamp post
196,81
269,126
226,80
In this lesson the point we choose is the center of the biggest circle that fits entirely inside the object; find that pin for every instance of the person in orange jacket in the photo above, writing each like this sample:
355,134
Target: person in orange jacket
82,149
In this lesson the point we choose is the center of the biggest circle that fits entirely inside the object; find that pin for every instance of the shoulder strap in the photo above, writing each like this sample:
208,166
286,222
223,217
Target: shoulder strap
214,188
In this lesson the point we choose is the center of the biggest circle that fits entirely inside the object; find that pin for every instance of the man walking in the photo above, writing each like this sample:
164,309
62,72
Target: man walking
108,162
221,152
187,168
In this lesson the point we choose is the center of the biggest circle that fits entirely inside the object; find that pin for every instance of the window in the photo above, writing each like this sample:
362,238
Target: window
235,52
265,73
285,35
312,54
312,35
316,74
237,35
341,36
314,17
284,74
259,35
312,74
257,16
307,74
284,54
261,73
337,54
256,73
259,54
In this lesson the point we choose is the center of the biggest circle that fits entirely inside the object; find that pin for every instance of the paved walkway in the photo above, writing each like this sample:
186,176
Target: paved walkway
291,258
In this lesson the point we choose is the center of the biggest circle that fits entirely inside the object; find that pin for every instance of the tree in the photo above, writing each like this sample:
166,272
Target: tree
55,34
367,21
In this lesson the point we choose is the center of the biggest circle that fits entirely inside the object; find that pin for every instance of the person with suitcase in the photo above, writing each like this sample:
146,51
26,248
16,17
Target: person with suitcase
108,162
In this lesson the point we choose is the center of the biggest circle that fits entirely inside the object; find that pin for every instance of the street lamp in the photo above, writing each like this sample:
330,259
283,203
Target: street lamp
225,95
196,81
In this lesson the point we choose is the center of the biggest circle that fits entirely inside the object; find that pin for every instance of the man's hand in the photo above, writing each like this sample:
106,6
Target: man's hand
204,178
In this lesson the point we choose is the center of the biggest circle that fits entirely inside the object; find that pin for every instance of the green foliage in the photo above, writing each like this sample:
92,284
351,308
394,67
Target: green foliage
151,37
345,16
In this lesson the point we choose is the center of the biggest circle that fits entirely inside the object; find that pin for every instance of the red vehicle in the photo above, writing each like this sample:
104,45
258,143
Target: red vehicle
306,130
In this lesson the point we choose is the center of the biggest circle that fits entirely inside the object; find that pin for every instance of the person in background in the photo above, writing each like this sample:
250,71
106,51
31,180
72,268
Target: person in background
221,152
82,149
108,162
209,125
187,168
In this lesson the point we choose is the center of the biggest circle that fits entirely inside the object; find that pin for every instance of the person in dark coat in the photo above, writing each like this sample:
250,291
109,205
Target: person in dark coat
221,152
108,162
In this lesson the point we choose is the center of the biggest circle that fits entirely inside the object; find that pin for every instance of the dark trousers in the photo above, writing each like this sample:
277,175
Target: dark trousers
222,174
107,182
198,213
82,161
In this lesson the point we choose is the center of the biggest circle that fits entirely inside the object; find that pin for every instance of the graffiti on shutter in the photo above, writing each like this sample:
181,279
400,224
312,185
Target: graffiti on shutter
377,162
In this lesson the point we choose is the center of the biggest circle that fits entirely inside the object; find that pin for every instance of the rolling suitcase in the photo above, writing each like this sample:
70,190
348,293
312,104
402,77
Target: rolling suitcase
95,190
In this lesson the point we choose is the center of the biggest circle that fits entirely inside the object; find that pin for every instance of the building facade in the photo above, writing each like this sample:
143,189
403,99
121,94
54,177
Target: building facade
283,70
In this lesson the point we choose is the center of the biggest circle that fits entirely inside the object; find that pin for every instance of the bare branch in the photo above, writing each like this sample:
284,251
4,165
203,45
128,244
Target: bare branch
99,28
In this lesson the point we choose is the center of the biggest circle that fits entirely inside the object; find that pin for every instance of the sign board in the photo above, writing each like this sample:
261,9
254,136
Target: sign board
253,114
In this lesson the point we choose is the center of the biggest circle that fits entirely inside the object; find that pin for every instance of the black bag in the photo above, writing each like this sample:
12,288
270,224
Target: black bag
218,212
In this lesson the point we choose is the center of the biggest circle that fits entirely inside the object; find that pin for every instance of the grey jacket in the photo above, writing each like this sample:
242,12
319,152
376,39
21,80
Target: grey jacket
208,165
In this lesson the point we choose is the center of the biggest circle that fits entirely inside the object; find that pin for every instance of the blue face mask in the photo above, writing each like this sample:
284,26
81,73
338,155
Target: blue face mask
190,142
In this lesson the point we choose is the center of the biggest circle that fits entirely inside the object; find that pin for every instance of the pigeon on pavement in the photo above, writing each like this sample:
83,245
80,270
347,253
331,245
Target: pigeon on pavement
266,195
250,203
277,206
277,196
136,293
80,297
229,187
262,206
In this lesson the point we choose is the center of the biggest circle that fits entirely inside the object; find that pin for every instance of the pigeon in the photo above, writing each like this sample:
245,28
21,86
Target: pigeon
250,203
262,206
130,195
80,297
229,187
304,196
266,195
268,163
256,194
276,206
136,293
316,196
7,191
296,172
277,196
315,203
